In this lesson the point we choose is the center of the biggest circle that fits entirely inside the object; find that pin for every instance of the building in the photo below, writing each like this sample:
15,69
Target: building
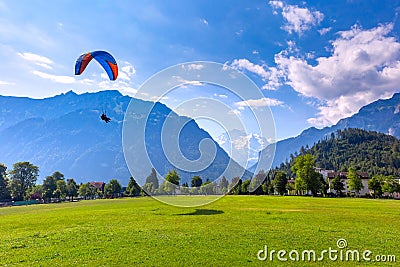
98,185
323,172
343,178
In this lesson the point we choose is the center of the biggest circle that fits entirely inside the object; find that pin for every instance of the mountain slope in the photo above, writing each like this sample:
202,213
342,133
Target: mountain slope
368,151
64,133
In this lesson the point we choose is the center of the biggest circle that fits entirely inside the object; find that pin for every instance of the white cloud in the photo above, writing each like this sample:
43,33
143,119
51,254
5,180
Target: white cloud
363,67
194,66
6,83
220,95
37,59
276,4
262,102
244,64
55,78
185,82
271,75
126,71
239,32
235,112
324,31
298,19
117,85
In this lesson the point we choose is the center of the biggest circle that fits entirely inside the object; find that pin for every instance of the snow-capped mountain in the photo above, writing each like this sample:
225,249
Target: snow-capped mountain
243,147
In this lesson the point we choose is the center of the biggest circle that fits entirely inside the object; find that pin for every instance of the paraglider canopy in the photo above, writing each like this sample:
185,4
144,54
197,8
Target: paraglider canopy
105,59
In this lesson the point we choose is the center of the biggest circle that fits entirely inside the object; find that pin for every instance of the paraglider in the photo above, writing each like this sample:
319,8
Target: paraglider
105,59
105,118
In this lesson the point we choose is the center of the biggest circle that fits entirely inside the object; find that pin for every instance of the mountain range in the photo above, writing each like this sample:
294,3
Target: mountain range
64,133
381,116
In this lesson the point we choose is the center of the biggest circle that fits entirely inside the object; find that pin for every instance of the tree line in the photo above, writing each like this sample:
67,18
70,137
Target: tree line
19,184
367,151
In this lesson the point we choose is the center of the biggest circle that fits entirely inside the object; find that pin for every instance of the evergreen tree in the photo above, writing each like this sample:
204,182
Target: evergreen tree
133,188
196,181
256,183
152,178
223,185
4,183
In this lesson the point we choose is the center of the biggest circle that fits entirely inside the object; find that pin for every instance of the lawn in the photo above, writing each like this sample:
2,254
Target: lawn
228,232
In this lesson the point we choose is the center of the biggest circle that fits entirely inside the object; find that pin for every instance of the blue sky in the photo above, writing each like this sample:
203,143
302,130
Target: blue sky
315,61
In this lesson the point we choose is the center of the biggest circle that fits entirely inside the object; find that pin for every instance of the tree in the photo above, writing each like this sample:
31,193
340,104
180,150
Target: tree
196,181
22,177
61,191
280,182
49,187
72,189
300,186
152,178
4,183
223,185
354,181
304,168
148,188
35,193
338,185
54,186
86,191
375,184
185,188
236,186
256,183
193,191
173,177
207,188
133,189
246,186
171,182
290,187
58,176
390,185
112,188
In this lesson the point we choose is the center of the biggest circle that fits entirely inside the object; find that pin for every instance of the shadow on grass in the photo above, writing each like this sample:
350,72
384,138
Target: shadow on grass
202,212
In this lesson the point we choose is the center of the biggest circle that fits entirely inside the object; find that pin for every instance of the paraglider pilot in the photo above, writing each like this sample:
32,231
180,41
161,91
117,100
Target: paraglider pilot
105,118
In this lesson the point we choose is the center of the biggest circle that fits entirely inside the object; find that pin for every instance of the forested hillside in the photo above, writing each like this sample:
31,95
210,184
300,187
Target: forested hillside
368,151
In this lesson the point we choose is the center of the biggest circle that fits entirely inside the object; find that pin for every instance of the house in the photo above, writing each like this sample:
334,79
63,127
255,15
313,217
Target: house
323,172
98,186
343,178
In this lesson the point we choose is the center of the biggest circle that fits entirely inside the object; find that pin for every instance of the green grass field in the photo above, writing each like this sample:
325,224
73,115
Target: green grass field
228,232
